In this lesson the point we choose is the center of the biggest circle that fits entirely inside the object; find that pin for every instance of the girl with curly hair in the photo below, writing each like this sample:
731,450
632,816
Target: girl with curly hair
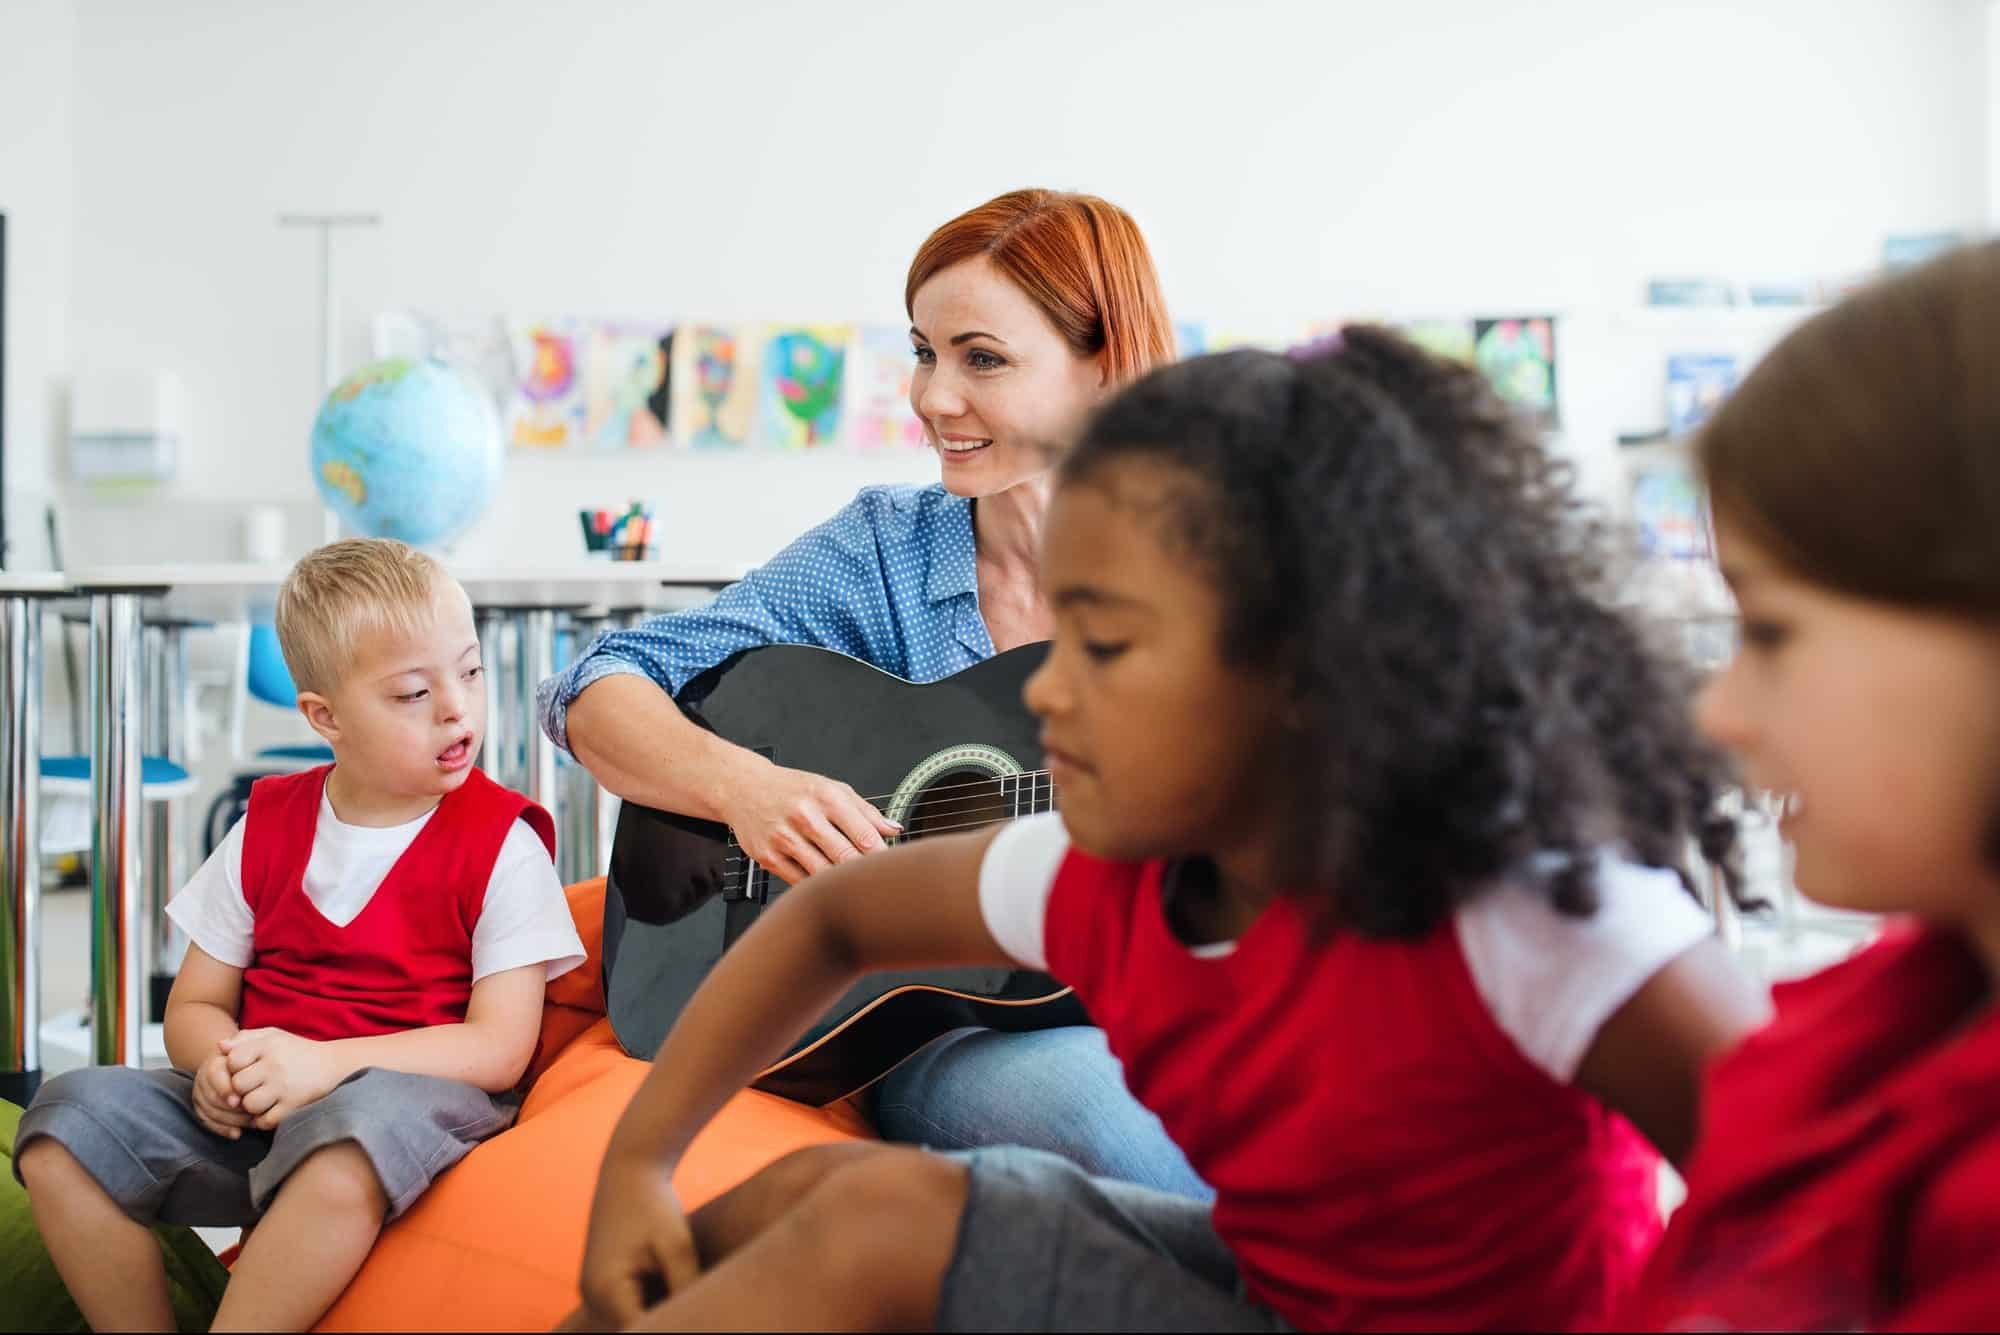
1369,863
1848,1176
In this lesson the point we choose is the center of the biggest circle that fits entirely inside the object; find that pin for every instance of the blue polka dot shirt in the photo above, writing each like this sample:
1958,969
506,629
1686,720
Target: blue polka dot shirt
891,580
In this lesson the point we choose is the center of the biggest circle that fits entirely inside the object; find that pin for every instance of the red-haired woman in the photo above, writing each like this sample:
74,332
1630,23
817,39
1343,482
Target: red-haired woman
1025,313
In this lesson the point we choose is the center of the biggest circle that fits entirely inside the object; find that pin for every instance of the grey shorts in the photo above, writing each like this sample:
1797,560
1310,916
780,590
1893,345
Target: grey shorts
135,1132
1045,1246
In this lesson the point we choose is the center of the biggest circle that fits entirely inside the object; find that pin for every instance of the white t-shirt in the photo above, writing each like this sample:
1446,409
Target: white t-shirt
525,919
1549,980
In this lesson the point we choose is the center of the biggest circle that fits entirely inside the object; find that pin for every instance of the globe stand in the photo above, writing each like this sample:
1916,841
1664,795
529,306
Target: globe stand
326,222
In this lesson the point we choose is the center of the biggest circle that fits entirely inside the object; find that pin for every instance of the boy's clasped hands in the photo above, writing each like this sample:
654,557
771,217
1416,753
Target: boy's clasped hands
259,1077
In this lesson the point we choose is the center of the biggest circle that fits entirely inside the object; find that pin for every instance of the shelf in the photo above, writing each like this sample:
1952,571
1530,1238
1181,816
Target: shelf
1740,320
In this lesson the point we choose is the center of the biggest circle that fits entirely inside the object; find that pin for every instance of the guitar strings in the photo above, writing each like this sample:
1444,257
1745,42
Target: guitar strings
990,781
737,859
1034,791
987,780
1037,793
973,824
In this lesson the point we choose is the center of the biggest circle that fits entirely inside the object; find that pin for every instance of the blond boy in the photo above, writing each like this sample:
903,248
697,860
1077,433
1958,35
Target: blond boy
362,989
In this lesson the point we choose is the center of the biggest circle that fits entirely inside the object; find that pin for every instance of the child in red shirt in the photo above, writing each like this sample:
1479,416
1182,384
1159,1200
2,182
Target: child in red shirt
1848,1172
1371,815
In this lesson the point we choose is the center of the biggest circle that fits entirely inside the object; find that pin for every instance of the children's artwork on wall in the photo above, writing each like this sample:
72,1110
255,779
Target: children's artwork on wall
1450,339
1518,355
1667,512
1908,250
477,345
1690,292
800,391
625,386
546,409
1778,292
1222,340
713,383
879,372
1190,340
1696,384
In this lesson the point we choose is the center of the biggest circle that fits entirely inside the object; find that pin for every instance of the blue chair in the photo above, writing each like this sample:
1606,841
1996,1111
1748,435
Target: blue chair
266,678
263,677
66,780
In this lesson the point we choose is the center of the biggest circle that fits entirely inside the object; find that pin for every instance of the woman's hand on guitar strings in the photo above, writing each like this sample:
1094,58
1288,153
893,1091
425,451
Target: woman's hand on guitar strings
794,823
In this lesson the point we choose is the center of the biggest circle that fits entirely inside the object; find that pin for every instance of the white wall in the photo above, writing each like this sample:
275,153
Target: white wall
37,49
1992,72
1289,160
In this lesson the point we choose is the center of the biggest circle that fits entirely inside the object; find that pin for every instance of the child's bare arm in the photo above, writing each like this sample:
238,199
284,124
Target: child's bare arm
202,1008
910,907
1647,1059
916,906
201,1017
490,1049
277,1073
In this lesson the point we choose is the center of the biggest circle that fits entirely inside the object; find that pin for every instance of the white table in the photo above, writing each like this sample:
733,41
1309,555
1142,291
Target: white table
526,603
527,598
20,828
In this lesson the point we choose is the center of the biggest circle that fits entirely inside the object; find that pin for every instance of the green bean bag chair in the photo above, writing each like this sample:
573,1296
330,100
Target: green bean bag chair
32,1296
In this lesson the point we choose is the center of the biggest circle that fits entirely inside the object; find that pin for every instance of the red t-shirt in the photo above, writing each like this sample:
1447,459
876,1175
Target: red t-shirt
1384,1156
1848,1172
403,962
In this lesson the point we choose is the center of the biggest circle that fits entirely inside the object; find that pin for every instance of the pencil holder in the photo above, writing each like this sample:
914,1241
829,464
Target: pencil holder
610,535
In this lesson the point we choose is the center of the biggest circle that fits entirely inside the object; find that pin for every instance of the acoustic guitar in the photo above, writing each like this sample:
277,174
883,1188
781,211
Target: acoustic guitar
944,756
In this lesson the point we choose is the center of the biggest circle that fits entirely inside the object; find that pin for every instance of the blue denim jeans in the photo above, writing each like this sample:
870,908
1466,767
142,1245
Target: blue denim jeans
1058,1090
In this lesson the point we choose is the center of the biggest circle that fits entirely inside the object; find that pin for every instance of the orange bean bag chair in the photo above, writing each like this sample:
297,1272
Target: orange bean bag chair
497,1242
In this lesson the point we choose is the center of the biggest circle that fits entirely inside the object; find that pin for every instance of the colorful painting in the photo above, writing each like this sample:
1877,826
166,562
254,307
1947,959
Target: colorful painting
713,386
879,372
545,411
1449,339
625,386
799,395
1697,383
1911,249
1667,512
1222,340
1518,355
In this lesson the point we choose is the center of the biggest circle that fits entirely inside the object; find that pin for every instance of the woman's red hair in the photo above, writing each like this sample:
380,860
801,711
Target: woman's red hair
1079,258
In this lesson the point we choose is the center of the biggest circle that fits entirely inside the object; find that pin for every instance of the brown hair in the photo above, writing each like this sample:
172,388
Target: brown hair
344,590
1864,451
1079,258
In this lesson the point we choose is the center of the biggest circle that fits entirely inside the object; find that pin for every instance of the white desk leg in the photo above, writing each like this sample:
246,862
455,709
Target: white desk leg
538,663
20,848
165,664
494,753
580,841
117,977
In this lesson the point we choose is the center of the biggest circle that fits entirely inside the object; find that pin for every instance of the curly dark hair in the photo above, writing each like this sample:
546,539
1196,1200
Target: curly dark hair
1396,546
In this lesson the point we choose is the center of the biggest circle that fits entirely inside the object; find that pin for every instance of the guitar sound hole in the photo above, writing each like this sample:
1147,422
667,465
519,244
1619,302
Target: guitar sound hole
958,800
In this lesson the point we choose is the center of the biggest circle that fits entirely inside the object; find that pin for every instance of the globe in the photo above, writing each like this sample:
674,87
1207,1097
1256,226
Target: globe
408,449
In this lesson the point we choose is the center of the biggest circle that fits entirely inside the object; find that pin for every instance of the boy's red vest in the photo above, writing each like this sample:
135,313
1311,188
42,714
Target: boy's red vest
405,961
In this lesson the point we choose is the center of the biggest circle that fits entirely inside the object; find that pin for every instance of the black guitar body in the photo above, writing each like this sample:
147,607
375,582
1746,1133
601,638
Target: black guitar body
949,754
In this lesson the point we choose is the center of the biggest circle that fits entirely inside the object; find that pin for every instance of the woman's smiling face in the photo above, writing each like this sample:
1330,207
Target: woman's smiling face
997,387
